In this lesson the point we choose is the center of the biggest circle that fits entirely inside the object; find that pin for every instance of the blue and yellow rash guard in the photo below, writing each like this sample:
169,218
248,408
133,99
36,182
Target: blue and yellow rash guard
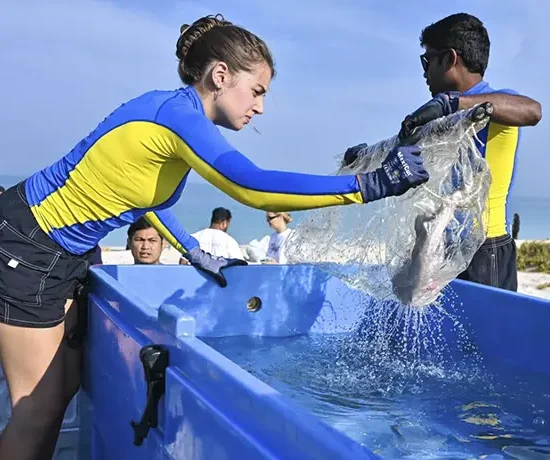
136,162
499,146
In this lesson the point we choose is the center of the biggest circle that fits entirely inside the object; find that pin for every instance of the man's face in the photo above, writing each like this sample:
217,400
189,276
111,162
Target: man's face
435,66
146,246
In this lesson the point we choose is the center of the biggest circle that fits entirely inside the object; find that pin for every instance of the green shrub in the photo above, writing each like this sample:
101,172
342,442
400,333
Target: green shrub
534,255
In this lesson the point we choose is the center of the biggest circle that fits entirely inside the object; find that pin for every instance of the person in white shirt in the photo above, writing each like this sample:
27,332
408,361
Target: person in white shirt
278,221
215,239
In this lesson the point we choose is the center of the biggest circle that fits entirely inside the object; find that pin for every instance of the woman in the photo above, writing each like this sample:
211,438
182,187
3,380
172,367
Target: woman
134,164
278,221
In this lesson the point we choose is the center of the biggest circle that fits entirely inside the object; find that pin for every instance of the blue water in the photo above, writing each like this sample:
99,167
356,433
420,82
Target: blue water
195,207
399,408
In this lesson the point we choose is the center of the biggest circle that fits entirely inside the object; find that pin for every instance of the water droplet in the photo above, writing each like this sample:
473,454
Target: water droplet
539,421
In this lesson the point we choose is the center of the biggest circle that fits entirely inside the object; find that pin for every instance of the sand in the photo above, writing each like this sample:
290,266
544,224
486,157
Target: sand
529,283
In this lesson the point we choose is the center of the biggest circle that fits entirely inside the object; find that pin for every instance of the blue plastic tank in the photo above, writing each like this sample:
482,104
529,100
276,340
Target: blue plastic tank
210,408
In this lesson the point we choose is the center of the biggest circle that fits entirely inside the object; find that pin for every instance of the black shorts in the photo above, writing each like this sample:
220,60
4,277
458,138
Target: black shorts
494,264
37,276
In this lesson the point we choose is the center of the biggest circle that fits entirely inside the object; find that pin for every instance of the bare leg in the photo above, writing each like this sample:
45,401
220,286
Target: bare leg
72,374
33,365
34,362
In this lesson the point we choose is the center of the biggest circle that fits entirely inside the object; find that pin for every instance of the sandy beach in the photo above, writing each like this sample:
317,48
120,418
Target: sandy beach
529,283
534,284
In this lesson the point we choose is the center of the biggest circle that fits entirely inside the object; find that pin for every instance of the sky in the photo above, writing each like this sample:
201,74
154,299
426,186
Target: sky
348,72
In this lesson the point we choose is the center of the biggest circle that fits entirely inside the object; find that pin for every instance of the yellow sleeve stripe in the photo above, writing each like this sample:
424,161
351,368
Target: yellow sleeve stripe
267,201
500,154
152,218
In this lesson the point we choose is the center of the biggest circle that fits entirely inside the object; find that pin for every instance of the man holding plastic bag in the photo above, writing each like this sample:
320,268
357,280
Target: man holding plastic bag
454,63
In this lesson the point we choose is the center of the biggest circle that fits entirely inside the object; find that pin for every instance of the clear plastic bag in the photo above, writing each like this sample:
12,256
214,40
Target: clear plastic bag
407,248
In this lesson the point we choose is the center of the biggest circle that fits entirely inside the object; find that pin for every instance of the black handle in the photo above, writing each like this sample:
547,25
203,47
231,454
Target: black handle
155,361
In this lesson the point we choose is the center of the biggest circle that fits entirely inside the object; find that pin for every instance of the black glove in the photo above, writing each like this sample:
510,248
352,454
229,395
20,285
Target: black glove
212,265
441,105
353,153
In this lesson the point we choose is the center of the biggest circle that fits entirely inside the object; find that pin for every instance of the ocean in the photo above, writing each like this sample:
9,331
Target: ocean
199,199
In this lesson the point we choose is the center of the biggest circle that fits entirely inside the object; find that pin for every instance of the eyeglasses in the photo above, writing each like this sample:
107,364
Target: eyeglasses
425,58
270,218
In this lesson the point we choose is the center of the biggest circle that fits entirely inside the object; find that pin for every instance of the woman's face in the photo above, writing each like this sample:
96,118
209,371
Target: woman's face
275,220
241,97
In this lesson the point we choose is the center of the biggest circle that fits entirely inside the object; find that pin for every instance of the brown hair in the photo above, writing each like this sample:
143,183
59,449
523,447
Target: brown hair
212,38
286,217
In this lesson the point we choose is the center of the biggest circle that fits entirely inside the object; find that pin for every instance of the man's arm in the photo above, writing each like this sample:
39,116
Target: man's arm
508,109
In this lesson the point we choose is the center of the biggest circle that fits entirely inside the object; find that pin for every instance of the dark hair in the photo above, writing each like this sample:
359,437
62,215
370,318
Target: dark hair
466,34
2,189
212,38
140,224
220,215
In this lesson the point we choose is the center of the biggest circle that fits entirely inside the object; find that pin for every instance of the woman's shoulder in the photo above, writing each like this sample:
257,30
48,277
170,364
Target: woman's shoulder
178,110
149,104
142,108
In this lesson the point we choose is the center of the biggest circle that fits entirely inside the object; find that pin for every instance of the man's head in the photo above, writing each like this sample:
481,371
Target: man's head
145,243
221,218
2,190
457,53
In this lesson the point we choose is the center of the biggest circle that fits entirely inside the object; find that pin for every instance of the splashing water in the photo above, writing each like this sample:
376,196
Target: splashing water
407,248
396,348
408,383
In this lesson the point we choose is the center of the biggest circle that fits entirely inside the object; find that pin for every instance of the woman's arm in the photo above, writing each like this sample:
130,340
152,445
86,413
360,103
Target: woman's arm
171,230
201,145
